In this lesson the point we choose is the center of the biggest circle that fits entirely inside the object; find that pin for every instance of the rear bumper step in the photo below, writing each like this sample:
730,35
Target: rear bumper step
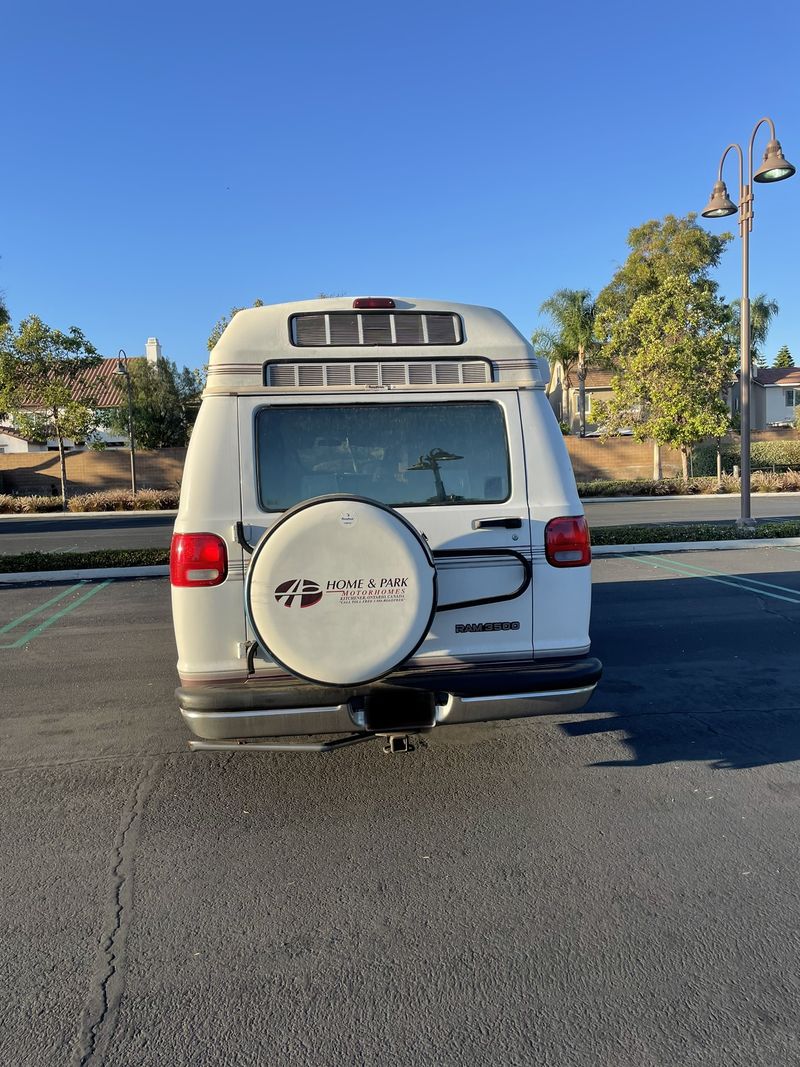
247,711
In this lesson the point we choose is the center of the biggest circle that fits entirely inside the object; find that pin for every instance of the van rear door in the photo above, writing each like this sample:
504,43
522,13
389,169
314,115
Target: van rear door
453,465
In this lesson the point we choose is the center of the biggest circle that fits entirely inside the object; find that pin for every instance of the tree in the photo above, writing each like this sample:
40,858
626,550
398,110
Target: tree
5,317
571,338
221,324
190,383
673,366
547,345
784,357
41,372
660,249
165,403
762,312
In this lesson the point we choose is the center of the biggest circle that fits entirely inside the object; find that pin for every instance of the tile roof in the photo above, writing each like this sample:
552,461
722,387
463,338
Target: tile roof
9,431
100,384
778,376
598,379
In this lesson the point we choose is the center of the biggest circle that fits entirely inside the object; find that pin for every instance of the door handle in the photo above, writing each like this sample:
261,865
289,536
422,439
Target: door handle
493,524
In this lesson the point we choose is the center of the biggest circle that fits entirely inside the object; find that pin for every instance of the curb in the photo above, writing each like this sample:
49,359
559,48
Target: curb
17,516
661,497
599,551
31,577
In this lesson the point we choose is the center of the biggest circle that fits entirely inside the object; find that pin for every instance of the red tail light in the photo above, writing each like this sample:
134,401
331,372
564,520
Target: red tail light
197,559
373,302
567,543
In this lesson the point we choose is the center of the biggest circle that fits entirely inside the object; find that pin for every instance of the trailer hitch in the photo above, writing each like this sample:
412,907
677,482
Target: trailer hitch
395,743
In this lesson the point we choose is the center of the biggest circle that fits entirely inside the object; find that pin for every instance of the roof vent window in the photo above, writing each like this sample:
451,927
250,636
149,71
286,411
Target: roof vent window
355,329
344,329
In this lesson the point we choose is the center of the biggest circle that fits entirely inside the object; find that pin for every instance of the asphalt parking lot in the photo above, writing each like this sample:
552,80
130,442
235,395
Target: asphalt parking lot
613,888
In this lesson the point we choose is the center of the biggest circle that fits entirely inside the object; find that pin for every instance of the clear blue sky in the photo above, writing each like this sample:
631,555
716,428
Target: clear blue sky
165,162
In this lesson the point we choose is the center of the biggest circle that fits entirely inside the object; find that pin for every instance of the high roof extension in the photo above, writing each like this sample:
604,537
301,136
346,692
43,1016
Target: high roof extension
370,342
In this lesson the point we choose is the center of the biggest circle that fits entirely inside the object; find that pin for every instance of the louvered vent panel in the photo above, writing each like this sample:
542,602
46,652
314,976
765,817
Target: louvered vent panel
313,375
310,374
447,373
475,372
283,375
366,373
339,374
420,374
394,374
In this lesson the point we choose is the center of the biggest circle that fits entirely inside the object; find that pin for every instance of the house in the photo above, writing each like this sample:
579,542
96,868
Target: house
564,399
774,395
13,441
105,387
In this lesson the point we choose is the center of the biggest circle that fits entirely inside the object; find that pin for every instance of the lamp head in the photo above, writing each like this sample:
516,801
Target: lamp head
774,168
720,203
121,367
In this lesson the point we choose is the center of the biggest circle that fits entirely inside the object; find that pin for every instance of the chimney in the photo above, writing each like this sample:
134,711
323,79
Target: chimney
153,350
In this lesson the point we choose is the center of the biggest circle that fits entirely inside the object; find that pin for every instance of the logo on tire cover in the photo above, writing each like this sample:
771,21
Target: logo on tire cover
298,593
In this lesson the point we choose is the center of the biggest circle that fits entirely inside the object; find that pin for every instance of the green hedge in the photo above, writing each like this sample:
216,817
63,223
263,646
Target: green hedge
633,487
762,454
651,535
68,561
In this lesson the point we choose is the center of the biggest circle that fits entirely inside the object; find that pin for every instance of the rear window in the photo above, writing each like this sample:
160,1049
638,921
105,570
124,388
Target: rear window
400,454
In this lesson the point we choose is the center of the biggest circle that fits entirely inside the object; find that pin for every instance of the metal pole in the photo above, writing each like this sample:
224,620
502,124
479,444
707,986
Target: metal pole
745,208
130,435
774,168
123,369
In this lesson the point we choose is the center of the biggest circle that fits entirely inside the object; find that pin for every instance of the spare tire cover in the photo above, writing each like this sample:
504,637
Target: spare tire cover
341,590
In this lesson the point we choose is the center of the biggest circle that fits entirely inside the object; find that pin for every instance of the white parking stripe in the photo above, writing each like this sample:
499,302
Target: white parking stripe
735,581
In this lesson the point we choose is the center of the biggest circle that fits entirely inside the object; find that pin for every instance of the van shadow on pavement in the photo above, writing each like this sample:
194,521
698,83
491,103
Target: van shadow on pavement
731,741
697,669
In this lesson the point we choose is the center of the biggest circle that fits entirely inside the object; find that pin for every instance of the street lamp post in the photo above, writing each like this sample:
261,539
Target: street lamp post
122,368
774,168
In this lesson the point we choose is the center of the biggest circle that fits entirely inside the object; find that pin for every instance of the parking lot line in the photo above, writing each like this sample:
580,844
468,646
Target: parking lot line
38,610
57,615
736,581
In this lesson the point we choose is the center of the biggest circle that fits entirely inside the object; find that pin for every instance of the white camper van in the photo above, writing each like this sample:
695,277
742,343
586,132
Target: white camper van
379,530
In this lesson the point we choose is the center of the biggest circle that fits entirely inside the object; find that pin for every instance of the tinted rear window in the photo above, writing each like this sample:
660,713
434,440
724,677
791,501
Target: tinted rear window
400,454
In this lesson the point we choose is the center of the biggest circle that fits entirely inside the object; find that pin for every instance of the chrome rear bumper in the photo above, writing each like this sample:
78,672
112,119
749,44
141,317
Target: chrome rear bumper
233,712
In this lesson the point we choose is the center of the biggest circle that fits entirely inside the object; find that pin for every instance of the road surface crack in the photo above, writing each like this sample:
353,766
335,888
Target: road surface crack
108,978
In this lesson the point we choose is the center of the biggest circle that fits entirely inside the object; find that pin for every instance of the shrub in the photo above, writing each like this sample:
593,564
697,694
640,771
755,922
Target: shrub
123,500
106,500
682,532
27,505
760,482
634,487
762,454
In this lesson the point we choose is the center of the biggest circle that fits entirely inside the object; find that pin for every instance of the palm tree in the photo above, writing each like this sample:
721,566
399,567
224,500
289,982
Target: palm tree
572,313
550,347
762,312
